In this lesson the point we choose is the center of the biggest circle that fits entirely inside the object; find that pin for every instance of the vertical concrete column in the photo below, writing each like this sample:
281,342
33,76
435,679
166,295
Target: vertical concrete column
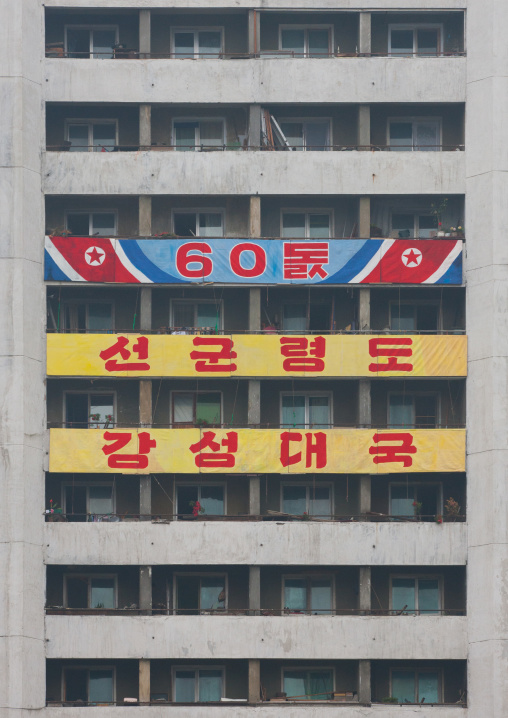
254,495
365,33
364,217
364,132
254,680
144,680
145,588
364,308
145,127
145,309
254,402
255,216
364,404
254,127
145,41
254,590
254,31
145,216
254,309
364,600
364,682
365,493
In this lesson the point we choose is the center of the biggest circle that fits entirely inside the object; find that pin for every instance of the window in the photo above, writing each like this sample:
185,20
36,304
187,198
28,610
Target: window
305,411
90,685
92,41
306,225
198,134
307,134
415,594
198,42
311,499
198,685
87,224
414,317
416,411
303,317
88,502
418,226
403,498
210,496
308,684
414,686
191,408
198,224
85,410
409,40
94,317
306,41
308,595
92,135
90,591
423,135
196,315
195,594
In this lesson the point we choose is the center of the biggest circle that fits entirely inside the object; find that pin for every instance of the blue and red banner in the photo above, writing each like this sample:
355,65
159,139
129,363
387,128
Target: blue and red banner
253,261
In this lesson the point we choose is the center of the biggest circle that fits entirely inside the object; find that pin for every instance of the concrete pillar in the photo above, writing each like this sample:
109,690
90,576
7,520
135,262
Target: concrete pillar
364,132
254,590
364,404
365,33
255,216
364,682
364,597
145,589
145,309
254,31
254,680
144,680
365,487
254,402
254,495
254,127
364,217
364,308
144,32
145,216
145,126
254,310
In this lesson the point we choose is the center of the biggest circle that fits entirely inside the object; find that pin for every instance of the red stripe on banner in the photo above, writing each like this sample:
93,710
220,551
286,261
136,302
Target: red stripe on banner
410,262
92,257
122,274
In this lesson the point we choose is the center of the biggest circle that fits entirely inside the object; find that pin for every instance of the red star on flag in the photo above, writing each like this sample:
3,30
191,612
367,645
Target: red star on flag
94,256
412,257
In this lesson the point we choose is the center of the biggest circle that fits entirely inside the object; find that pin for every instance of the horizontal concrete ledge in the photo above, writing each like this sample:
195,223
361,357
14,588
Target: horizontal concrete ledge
259,80
262,544
273,637
249,173
279,710
267,4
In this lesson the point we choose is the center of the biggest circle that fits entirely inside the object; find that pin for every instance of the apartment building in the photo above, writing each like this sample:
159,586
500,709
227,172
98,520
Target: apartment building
254,358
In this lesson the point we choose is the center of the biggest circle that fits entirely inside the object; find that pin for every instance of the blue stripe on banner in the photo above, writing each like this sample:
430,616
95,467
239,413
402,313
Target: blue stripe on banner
454,274
136,255
52,272
359,260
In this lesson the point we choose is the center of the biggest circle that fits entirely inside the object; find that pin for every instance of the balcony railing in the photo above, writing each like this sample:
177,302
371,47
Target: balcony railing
164,611
66,146
56,50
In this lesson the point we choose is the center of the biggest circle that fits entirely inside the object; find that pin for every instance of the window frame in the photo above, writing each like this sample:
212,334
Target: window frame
87,667
309,577
90,28
308,486
196,31
222,484
414,485
416,577
183,424
307,668
307,394
414,120
307,212
416,222
87,485
414,304
196,669
89,392
90,214
200,575
197,211
86,303
305,120
415,27
306,28
415,672
413,395
219,303
90,577
198,145
90,122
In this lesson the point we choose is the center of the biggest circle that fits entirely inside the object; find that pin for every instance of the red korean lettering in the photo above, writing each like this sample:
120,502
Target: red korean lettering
215,457
305,260
391,348
218,360
127,461
302,355
395,453
120,348
287,459
184,260
235,257
315,446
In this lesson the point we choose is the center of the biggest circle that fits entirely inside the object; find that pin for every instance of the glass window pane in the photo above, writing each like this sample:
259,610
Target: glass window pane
401,411
185,140
102,593
208,408
294,317
403,594
184,496
428,687
294,684
210,224
211,133
103,43
293,41
316,136
185,682
100,499
293,225
425,412
209,43
427,226
76,410
77,591
403,225
208,315
101,404
183,408
293,411
402,318
212,593
321,596
293,132
401,136
428,595
78,42
403,686
427,136
319,412
319,45
78,137
183,314
210,686
76,685
428,42
295,594
100,317
184,44
79,224
212,500
320,501
319,685
402,498
104,136
294,500
104,224
101,686
319,226
427,317
402,42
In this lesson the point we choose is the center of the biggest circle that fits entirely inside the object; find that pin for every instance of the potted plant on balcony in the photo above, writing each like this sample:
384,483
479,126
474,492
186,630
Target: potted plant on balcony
197,509
54,513
417,508
94,419
452,510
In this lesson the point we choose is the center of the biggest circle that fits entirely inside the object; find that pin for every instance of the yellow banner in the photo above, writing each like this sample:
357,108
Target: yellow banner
270,451
255,355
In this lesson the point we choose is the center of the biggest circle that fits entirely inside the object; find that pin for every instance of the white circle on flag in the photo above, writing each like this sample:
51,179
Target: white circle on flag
411,257
95,256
